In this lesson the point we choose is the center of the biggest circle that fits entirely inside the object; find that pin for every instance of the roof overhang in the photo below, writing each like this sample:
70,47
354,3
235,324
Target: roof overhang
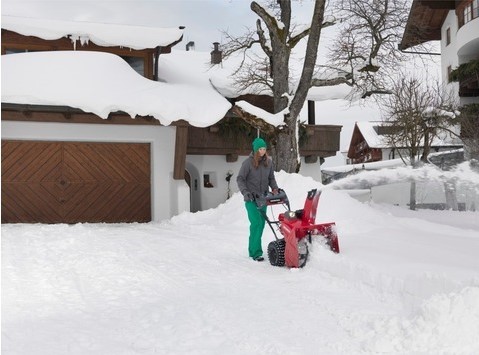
102,34
425,21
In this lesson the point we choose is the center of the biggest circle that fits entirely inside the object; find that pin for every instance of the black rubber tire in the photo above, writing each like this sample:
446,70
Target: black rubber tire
276,252
303,258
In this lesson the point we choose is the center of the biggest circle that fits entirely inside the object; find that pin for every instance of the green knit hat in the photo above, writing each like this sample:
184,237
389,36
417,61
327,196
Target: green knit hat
258,143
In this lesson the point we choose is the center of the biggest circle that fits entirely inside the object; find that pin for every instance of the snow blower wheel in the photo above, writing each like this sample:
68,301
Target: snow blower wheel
303,252
276,252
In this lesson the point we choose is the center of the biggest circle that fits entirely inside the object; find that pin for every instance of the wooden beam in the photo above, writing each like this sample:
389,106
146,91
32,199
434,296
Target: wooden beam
231,158
439,4
310,159
181,145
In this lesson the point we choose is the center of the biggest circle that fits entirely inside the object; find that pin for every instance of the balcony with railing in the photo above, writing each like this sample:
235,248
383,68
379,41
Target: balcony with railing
468,32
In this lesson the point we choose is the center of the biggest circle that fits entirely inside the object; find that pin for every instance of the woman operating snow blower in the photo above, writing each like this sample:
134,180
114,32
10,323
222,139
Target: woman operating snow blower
254,179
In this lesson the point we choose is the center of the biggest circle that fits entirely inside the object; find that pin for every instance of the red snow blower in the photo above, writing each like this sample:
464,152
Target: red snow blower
297,227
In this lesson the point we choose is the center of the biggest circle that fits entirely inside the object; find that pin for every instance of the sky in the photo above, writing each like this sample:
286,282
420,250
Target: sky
404,282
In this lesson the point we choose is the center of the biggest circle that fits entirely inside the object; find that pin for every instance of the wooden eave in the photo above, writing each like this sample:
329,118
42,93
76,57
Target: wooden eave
321,140
15,41
425,21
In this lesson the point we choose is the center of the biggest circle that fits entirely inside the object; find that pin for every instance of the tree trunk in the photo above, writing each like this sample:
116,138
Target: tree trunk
285,152
287,149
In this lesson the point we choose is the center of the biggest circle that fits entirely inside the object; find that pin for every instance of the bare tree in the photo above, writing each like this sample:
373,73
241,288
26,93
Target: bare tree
378,25
366,48
418,112
276,36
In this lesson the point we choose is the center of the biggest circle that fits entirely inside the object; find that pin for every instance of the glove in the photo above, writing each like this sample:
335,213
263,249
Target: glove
248,196
275,191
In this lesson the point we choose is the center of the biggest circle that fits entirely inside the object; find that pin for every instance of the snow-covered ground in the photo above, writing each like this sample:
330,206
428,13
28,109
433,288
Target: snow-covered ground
405,282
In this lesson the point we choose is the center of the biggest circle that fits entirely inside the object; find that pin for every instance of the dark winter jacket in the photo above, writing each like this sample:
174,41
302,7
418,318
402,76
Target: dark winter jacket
255,181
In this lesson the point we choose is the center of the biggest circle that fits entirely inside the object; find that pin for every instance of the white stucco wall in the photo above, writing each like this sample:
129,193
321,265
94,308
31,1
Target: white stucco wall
169,197
312,170
449,53
217,168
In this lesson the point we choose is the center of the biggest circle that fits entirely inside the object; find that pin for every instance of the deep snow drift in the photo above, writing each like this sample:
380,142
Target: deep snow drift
405,282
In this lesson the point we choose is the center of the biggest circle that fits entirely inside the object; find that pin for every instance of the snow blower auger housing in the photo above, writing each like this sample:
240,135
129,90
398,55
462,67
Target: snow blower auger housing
297,227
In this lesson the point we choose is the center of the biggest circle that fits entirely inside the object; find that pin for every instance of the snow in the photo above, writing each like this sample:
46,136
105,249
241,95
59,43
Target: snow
102,83
372,138
102,34
275,119
405,282
323,93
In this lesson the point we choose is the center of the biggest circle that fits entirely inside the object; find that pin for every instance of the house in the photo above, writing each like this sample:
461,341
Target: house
456,25
86,139
369,143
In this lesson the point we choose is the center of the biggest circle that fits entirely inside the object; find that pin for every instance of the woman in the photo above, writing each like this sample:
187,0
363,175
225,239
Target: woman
256,175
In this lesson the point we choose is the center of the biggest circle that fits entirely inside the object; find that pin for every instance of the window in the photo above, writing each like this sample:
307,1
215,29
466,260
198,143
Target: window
448,36
467,14
475,9
449,70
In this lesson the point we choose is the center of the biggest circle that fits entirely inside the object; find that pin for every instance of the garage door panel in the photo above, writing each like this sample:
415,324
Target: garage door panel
89,200
138,197
81,164
105,162
28,202
108,202
90,182
140,161
27,161
112,162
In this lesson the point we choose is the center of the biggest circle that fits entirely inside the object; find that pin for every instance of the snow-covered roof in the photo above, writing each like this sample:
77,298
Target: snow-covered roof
102,83
195,67
369,130
377,165
370,135
102,34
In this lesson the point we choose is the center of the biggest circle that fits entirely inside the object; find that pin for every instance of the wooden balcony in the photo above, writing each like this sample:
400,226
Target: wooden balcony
317,141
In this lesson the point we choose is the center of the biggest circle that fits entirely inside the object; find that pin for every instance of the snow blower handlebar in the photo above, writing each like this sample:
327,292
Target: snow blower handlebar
269,199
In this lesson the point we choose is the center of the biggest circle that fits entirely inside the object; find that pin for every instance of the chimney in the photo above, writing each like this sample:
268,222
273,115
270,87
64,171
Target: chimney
190,45
216,54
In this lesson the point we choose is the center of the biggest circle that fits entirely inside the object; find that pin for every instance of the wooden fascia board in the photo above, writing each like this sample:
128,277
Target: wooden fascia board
181,146
12,39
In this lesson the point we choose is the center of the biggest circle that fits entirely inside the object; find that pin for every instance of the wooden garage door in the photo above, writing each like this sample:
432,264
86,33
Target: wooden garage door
71,182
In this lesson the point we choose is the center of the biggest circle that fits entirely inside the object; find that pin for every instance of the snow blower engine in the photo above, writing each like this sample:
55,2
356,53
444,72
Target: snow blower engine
297,227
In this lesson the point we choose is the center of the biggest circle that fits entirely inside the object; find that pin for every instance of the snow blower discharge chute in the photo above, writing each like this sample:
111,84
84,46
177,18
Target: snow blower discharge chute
297,227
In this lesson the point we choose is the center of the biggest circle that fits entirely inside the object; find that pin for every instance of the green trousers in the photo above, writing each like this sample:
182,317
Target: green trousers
256,227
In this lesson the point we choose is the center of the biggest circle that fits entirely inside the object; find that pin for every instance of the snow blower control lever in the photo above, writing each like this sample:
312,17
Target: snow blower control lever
297,227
